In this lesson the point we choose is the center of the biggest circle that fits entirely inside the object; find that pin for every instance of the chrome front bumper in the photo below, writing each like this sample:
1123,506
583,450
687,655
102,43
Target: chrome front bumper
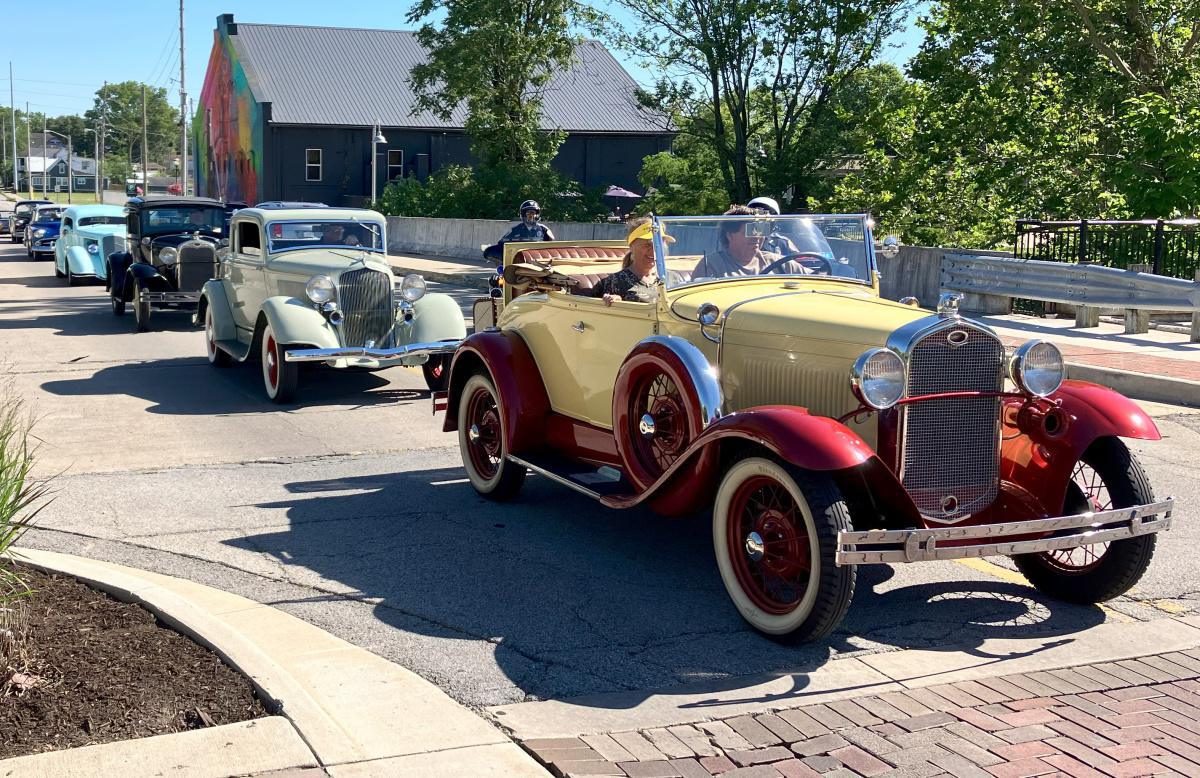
370,352
874,547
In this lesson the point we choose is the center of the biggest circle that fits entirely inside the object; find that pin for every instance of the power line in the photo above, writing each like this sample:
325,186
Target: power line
158,61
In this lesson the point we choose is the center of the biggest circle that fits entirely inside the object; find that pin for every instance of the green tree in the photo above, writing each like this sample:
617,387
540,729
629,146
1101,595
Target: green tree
1062,110
121,107
756,79
495,58
73,127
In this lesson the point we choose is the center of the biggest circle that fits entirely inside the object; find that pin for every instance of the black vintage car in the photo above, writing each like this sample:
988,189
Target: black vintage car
22,212
173,243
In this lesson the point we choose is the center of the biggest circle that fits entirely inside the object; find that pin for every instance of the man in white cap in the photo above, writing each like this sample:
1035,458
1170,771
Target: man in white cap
776,242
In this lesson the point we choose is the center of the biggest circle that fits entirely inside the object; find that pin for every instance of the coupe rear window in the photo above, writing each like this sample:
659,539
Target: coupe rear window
86,220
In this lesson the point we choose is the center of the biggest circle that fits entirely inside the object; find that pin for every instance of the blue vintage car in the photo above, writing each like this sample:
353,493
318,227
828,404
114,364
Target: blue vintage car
90,233
42,231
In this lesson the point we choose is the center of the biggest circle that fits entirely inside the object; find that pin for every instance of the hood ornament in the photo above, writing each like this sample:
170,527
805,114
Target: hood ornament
947,306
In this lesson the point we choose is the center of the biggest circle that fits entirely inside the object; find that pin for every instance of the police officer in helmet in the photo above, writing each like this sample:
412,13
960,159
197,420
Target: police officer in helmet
530,229
776,242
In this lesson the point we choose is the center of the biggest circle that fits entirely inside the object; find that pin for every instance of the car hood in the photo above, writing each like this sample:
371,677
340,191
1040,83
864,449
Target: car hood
310,262
829,312
176,238
49,227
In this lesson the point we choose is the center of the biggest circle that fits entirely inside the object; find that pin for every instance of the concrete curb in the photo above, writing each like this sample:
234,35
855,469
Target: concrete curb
351,708
1139,386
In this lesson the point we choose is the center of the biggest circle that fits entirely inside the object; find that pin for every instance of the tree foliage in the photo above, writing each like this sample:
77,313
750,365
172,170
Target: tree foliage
757,80
1066,109
121,106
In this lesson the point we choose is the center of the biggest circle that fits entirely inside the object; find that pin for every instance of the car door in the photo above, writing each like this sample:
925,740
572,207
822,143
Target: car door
246,275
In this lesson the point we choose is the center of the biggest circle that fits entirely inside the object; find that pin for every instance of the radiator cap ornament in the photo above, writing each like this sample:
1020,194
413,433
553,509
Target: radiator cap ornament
947,306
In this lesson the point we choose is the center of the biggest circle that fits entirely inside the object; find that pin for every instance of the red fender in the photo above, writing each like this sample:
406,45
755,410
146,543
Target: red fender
510,364
791,433
1040,448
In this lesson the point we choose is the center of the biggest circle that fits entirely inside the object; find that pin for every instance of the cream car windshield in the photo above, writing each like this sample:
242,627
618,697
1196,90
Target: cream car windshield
289,235
739,246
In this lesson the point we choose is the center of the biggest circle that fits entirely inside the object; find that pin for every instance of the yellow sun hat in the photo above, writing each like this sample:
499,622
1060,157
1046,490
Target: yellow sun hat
646,232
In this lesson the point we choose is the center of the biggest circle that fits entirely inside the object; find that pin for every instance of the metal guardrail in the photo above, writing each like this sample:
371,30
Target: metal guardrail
1088,287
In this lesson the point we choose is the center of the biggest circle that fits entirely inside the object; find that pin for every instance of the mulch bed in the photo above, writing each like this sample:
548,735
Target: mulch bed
108,671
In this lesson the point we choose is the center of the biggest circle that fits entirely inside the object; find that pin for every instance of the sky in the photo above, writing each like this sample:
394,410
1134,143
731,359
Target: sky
138,40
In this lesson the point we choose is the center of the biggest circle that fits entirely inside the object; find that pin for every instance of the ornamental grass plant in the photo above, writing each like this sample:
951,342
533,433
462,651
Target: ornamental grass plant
22,496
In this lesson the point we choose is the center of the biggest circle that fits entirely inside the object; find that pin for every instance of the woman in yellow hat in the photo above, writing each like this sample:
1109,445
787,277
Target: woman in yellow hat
637,281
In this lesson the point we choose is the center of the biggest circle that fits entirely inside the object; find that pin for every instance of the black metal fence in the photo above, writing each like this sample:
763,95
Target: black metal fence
1171,248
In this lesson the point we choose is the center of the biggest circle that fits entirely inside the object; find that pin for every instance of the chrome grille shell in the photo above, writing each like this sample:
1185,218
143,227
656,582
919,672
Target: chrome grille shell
196,264
365,299
949,449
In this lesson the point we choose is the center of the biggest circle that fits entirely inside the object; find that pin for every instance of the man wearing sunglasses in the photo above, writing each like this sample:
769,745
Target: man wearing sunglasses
740,251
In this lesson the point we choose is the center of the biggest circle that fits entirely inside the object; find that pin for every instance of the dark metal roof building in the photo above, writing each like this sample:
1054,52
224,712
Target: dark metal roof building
287,113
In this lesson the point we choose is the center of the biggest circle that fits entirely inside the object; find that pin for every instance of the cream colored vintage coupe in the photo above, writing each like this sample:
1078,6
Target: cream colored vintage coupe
312,284
823,426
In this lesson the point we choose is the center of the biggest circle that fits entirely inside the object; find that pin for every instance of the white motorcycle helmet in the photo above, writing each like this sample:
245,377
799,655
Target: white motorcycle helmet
767,204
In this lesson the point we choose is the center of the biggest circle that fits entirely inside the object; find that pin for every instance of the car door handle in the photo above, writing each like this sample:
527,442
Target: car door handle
579,326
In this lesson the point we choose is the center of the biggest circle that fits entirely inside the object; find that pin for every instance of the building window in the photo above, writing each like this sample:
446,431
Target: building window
395,163
80,181
37,181
312,165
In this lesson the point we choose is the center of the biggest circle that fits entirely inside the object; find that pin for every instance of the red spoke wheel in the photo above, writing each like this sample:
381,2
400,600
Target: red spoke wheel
482,441
279,375
217,357
1107,476
437,372
656,416
775,537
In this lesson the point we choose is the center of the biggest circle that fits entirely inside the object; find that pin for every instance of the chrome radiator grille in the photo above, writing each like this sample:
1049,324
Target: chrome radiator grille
196,265
365,297
951,448
111,244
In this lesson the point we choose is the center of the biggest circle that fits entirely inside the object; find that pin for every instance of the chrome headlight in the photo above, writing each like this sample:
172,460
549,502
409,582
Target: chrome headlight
1037,368
320,289
39,232
412,288
93,248
168,255
877,378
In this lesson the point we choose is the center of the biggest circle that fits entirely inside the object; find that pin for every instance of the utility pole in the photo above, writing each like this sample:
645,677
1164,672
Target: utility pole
70,171
145,148
45,126
28,152
12,105
183,144
100,143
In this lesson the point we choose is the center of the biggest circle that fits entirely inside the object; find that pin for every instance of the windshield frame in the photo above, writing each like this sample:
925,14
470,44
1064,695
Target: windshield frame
372,225
660,222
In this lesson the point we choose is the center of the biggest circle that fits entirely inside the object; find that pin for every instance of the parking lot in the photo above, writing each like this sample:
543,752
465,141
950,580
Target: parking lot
350,509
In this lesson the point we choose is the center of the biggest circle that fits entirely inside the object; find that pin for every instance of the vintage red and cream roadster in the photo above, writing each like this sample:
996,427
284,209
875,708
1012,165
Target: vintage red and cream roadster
823,426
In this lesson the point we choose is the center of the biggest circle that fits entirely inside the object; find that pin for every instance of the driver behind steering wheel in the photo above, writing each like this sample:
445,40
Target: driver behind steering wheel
776,242
741,251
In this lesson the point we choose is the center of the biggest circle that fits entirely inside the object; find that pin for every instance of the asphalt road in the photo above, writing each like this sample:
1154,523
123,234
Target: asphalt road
350,510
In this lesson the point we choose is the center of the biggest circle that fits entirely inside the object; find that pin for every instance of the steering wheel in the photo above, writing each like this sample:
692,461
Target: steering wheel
808,259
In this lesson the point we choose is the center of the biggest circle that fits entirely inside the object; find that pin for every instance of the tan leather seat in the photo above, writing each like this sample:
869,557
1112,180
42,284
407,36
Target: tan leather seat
577,262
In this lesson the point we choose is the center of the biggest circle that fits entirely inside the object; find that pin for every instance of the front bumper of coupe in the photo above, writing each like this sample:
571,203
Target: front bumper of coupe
874,547
371,352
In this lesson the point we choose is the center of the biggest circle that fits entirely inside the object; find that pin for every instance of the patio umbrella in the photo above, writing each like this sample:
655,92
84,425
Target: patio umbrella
616,191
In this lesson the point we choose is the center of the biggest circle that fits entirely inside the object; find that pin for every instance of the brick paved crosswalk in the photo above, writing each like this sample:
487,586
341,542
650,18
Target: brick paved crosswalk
1116,719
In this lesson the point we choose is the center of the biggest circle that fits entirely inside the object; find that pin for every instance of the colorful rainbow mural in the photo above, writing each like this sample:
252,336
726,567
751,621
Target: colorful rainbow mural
227,130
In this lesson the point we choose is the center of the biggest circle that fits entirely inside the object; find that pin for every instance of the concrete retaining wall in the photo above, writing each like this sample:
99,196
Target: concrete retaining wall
461,238
917,272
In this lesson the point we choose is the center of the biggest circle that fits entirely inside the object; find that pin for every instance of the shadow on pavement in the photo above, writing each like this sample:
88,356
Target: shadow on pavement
580,600
78,317
189,385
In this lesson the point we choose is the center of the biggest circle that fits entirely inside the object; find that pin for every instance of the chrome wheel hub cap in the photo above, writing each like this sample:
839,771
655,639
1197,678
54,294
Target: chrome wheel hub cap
646,426
755,548
473,433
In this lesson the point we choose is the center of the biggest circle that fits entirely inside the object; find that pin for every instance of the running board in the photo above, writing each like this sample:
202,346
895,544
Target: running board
235,348
596,483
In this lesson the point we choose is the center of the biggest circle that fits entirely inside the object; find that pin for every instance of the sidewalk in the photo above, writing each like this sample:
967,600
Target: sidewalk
1125,718
462,272
1158,366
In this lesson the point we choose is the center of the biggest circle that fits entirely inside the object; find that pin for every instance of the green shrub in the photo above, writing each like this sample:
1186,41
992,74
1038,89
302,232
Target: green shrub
22,495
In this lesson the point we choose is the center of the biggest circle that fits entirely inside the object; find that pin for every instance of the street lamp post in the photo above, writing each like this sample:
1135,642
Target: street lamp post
376,139
70,162
96,161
